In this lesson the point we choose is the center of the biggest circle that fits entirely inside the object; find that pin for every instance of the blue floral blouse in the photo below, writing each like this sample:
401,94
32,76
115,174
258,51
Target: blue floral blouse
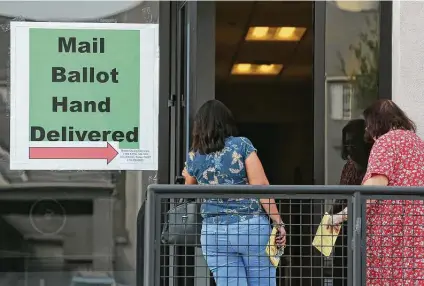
225,167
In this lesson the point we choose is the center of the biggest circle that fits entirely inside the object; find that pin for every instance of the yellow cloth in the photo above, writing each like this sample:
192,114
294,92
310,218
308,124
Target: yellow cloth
272,250
325,239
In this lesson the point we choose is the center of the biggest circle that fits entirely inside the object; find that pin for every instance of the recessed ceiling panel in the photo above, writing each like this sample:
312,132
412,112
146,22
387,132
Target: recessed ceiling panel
266,52
275,34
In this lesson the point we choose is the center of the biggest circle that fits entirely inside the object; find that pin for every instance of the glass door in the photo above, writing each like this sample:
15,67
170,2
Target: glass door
191,84
177,104
352,69
179,91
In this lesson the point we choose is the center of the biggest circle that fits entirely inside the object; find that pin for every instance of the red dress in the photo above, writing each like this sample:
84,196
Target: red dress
395,228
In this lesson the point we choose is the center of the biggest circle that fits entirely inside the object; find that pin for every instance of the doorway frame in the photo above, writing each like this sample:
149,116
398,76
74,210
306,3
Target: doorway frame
167,51
319,92
201,81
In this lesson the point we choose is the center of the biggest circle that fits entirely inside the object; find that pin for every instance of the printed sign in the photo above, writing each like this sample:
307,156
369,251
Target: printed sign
84,96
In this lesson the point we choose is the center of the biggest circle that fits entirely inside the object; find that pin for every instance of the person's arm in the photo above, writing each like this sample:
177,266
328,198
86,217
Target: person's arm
271,209
381,165
256,176
189,180
377,180
348,172
347,177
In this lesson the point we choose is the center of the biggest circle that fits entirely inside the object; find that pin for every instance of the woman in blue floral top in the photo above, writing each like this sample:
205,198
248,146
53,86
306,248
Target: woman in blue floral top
235,232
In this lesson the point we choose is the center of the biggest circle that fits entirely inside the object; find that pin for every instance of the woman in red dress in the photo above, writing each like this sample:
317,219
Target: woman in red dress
395,228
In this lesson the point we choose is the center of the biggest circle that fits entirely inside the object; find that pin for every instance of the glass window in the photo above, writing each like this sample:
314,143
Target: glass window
67,227
352,48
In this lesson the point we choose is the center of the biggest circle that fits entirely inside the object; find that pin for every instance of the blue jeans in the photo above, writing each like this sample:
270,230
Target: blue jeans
235,252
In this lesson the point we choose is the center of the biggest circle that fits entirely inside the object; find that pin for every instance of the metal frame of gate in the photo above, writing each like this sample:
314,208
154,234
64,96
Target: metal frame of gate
148,257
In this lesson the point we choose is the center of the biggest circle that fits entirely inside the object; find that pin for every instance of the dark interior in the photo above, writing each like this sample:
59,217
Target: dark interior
275,112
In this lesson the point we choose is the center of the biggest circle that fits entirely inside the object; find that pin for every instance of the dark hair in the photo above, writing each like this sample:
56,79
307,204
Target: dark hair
359,153
213,123
384,115
355,127
357,149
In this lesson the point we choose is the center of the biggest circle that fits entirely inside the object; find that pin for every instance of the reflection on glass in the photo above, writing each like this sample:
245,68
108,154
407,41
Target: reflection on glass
351,65
352,57
67,228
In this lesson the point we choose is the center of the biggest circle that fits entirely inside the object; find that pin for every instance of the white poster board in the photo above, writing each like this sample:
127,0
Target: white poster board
84,96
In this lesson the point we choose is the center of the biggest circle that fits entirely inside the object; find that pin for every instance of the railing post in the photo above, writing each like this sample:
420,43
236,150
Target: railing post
149,240
357,227
350,241
140,244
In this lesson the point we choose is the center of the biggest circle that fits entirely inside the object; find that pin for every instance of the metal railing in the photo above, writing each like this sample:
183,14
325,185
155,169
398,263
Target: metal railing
302,208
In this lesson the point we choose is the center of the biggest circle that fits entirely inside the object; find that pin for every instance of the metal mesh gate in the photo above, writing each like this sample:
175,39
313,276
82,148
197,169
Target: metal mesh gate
229,249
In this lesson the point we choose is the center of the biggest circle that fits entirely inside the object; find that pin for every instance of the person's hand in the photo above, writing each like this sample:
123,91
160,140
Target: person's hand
185,173
280,239
334,222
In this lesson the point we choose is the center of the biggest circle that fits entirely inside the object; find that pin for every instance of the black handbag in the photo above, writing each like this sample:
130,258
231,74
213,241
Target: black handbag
183,224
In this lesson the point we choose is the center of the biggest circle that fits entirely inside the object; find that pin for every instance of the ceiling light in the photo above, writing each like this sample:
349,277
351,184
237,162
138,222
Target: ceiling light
286,32
291,34
259,32
243,68
266,68
253,69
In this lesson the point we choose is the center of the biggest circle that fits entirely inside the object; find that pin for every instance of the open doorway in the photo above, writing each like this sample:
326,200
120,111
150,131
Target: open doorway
264,74
264,67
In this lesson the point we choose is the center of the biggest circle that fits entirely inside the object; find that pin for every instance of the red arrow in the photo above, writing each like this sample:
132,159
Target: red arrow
109,153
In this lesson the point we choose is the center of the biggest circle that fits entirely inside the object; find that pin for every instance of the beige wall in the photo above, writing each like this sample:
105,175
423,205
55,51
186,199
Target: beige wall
408,59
